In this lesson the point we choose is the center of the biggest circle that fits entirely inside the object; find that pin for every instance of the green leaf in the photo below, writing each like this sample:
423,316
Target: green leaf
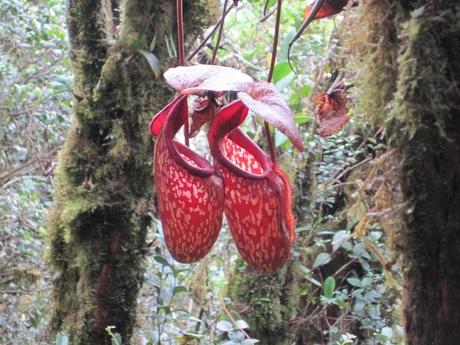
140,35
249,341
354,281
179,289
284,46
242,324
237,336
166,309
314,281
117,339
153,62
321,259
366,282
284,82
302,119
271,3
302,228
193,335
342,304
386,333
372,140
281,71
305,91
224,326
329,287
188,318
62,339
153,43
280,139
161,260
339,238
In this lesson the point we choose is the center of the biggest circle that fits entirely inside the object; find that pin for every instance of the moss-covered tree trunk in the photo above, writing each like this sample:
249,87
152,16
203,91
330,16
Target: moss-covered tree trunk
429,81
268,303
104,183
409,81
406,58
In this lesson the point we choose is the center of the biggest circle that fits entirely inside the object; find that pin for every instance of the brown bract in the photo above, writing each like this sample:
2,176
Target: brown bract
329,8
331,111
204,109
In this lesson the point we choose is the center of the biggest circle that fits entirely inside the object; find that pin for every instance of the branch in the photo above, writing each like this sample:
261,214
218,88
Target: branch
88,41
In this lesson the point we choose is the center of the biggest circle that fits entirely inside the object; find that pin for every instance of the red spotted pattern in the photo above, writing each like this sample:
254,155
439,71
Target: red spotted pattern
191,207
258,197
190,194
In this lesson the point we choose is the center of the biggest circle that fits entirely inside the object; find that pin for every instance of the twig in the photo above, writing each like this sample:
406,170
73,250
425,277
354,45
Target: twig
219,35
30,140
311,16
268,135
233,320
19,178
206,39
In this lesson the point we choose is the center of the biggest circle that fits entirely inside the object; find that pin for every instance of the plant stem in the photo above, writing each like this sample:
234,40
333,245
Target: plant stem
180,43
180,32
275,42
268,135
233,320
206,39
219,36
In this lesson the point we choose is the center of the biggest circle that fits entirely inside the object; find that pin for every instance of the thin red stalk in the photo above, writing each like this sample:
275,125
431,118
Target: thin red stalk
180,32
268,135
268,14
233,320
180,43
219,36
271,147
275,42
314,11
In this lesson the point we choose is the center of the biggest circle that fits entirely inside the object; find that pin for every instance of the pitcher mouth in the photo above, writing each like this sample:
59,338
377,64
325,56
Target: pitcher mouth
165,125
224,132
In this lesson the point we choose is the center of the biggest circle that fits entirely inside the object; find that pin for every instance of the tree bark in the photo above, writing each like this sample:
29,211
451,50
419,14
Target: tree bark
408,78
431,178
104,185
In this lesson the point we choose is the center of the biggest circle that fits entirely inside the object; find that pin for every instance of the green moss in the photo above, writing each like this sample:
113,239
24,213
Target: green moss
398,67
422,66
370,48
89,42
406,69
200,14
269,301
104,178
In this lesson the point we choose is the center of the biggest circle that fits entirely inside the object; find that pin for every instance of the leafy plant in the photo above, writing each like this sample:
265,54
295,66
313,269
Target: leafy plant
34,107
235,332
262,190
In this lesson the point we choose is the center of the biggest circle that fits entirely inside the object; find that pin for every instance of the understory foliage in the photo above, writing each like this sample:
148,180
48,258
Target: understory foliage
341,284
34,107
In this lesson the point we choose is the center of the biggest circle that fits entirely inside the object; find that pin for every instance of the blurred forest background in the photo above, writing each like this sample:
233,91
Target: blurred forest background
343,283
